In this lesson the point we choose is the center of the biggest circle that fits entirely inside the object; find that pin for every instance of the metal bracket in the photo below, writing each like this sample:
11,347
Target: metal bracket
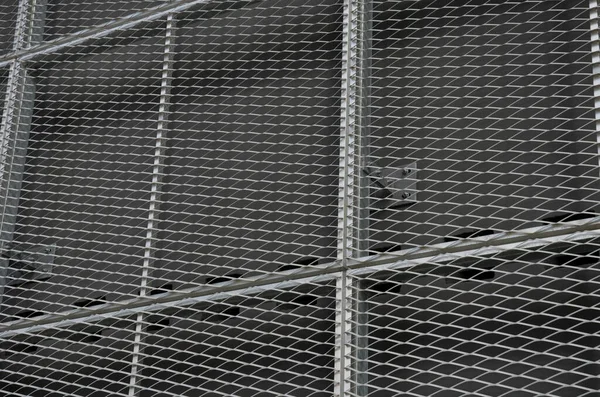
397,185
33,263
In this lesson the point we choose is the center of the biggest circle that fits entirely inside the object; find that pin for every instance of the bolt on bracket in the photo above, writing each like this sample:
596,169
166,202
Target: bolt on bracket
394,186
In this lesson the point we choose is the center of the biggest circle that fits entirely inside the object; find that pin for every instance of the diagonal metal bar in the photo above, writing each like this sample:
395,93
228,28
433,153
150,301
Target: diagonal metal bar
525,239
106,29
443,253
487,245
356,225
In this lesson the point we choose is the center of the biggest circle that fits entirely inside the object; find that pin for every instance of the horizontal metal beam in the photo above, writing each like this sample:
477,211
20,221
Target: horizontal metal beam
103,30
479,247
484,246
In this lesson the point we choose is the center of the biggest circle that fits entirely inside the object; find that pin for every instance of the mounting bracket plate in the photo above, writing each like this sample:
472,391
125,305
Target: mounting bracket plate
395,186
33,263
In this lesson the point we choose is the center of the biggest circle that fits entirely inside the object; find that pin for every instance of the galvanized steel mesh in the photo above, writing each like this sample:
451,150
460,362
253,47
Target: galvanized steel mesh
492,100
523,322
299,198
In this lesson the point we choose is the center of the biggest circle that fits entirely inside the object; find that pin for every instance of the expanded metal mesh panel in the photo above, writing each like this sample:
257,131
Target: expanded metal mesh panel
4,72
279,343
250,181
87,174
63,17
88,360
520,323
182,214
490,102
8,23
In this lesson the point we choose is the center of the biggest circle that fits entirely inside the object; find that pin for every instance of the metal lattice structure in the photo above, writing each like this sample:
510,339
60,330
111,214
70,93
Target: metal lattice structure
299,198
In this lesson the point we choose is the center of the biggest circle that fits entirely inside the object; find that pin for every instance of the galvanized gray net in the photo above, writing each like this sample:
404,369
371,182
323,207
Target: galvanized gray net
299,198
64,17
8,10
491,104
522,322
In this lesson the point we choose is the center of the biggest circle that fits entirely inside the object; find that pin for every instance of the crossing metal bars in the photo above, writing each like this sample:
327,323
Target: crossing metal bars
299,198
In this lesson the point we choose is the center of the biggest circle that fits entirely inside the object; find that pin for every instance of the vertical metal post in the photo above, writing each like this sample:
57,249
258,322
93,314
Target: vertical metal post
16,124
350,66
362,152
155,193
37,23
360,312
360,337
347,195
343,337
353,219
595,38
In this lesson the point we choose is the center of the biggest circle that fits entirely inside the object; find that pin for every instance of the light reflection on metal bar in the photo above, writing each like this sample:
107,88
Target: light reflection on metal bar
155,194
16,121
529,238
102,30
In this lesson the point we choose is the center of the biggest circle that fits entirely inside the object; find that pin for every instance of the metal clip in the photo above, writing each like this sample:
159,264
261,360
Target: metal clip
33,263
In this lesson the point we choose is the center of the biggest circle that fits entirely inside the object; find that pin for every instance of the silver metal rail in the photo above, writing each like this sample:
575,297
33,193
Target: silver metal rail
480,247
156,190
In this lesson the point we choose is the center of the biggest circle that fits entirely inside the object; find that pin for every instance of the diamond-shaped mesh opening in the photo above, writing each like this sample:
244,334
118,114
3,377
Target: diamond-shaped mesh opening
8,23
250,180
276,343
202,149
87,174
520,323
490,103
87,360
4,72
63,17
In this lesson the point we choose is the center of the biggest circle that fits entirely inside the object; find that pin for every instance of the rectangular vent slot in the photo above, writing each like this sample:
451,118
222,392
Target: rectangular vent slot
158,325
20,348
306,261
575,260
297,302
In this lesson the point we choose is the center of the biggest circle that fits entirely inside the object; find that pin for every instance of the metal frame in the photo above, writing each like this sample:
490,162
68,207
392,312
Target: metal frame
509,243
362,162
595,39
28,53
16,120
358,369
350,127
155,193
353,199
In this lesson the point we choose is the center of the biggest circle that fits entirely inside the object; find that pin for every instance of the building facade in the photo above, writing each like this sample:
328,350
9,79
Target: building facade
299,198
